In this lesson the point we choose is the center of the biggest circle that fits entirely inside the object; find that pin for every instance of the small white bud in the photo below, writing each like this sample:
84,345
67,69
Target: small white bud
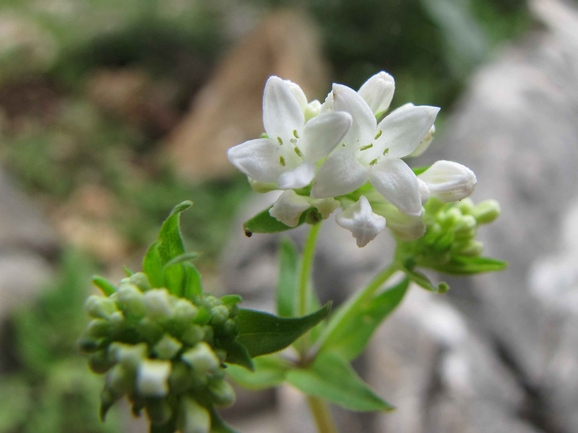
313,109
158,304
378,92
423,191
298,93
152,378
360,220
201,358
449,181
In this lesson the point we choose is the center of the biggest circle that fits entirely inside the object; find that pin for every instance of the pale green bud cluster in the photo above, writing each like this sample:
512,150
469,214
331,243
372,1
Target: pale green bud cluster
451,231
164,353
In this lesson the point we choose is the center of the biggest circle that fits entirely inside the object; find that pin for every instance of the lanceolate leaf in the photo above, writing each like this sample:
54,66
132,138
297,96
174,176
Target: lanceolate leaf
103,284
262,333
288,278
238,354
332,378
349,338
269,371
217,423
471,265
153,266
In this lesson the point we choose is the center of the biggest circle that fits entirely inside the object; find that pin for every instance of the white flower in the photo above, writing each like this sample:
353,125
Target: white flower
289,207
373,152
378,92
360,220
287,157
152,376
423,146
449,181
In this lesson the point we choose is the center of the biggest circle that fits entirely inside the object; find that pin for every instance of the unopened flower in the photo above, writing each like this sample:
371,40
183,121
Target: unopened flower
152,376
360,220
287,156
378,91
373,152
449,181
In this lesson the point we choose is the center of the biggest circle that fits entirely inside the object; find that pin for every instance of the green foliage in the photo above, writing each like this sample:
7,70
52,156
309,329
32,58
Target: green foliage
263,222
50,390
262,333
332,378
269,371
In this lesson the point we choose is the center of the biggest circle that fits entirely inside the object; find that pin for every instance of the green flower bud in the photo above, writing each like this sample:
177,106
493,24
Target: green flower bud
222,392
90,345
98,328
99,362
100,307
152,378
185,311
196,418
466,224
158,411
130,356
230,328
487,211
473,249
158,304
132,299
193,335
120,380
150,329
141,281
180,378
167,347
466,206
201,358
220,314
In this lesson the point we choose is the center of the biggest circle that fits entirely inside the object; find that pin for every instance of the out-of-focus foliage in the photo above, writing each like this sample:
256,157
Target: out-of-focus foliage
49,389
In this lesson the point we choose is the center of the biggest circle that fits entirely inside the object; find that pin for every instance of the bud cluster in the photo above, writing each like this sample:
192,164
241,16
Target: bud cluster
451,230
165,353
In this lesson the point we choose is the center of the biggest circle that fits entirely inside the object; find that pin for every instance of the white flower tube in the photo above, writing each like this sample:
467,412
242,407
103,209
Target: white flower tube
449,181
360,220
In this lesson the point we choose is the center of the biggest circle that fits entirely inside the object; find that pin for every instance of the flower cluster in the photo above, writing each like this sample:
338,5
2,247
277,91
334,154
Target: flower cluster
322,155
164,352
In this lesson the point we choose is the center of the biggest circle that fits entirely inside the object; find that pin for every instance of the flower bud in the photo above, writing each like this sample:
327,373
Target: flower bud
449,181
120,380
152,376
193,335
158,305
99,362
313,109
196,418
378,92
465,224
486,211
466,206
140,280
222,392
158,410
167,347
132,299
473,249
425,143
201,358
298,93
220,314
130,356
361,221
98,328
100,307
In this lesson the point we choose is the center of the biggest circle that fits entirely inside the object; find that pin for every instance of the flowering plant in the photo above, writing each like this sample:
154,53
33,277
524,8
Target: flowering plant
167,345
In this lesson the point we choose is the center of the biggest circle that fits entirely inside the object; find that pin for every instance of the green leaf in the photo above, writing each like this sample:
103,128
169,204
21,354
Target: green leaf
420,279
238,354
332,378
269,372
183,258
471,265
263,222
152,266
192,286
262,333
354,330
104,285
288,283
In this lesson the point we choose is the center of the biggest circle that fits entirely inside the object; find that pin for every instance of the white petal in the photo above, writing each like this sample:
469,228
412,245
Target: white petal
394,180
323,133
340,174
424,145
360,220
378,92
325,206
152,376
282,113
259,159
404,227
362,129
289,207
298,93
424,191
298,177
449,181
404,129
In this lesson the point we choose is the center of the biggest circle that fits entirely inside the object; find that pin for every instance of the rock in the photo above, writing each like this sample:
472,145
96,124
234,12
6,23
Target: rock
227,111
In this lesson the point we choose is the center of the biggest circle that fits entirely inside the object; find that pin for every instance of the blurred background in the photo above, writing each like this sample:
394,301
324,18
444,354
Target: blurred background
113,111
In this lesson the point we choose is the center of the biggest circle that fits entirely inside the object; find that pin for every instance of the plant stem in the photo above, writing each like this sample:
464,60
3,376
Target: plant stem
359,298
321,414
306,265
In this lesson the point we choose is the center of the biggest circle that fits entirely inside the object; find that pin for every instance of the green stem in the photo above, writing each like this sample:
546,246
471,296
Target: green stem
306,265
359,298
321,414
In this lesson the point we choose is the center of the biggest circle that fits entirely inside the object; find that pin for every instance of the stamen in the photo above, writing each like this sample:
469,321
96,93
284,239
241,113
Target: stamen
372,163
280,141
385,151
295,133
369,146
282,161
298,151
378,134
